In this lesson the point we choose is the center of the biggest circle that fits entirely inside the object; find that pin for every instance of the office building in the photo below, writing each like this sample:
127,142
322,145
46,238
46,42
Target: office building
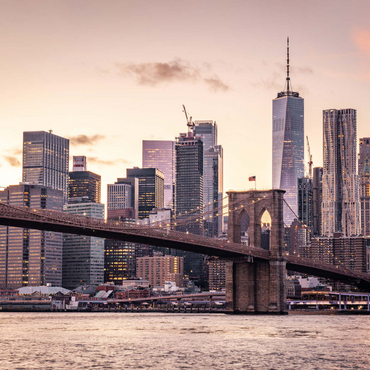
159,269
363,154
30,257
122,205
151,189
305,201
317,200
189,183
349,252
340,197
46,160
288,144
189,198
83,256
83,183
364,178
216,274
212,177
161,154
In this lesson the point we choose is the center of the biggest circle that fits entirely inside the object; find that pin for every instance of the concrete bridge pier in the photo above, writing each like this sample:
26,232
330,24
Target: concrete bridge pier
257,286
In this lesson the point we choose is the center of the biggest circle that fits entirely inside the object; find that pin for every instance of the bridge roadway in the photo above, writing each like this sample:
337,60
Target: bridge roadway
164,237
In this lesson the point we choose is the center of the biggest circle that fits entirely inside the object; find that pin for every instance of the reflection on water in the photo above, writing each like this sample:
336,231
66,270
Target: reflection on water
182,341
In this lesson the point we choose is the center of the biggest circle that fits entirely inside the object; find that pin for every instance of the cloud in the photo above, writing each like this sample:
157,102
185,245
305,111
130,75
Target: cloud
86,140
15,151
216,84
153,74
103,162
361,38
13,161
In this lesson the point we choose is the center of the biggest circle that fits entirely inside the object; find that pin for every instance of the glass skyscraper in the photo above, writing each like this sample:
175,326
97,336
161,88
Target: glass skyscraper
30,257
161,154
83,256
46,160
288,145
340,197
151,189
212,177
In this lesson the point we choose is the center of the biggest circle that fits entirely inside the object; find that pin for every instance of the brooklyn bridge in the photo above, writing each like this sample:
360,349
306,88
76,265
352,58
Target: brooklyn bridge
255,277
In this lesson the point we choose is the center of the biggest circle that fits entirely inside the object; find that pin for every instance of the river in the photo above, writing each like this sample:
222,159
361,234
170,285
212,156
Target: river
182,341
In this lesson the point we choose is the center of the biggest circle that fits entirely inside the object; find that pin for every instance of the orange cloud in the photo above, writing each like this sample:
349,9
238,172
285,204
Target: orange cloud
361,38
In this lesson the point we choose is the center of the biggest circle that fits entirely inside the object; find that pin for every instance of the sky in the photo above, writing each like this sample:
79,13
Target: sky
108,74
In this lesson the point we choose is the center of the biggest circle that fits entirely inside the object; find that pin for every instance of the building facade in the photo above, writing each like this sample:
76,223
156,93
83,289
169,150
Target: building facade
30,257
159,269
340,200
151,189
305,201
364,178
288,145
161,154
212,177
84,184
317,200
83,256
46,160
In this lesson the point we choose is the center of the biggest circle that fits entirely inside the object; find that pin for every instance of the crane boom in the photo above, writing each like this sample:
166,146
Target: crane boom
189,121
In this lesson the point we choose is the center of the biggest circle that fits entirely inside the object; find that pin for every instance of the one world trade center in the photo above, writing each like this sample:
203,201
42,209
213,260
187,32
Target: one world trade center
288,144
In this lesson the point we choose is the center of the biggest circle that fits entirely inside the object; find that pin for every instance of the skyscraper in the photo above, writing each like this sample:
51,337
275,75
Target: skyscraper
83,183
189,182
30,257
161,154
340,201
83,256
317,200
287,144
212,177
189,198
305,201
46,160
364,177
151,189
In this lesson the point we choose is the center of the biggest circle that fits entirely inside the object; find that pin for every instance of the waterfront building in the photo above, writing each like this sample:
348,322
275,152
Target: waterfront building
340,199
216,274
83,256
305,201
30,257
151,189
161,154
83,183
46,160
317,200
288,144
158,269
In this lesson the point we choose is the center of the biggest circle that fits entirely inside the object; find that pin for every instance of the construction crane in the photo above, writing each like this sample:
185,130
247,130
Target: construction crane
310,163
189,121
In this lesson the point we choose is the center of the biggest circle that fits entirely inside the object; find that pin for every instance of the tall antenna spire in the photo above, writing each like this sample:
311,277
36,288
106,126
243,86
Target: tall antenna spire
287,65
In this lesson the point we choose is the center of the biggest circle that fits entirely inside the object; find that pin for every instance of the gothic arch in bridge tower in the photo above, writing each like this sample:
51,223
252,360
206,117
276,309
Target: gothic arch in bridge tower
255,203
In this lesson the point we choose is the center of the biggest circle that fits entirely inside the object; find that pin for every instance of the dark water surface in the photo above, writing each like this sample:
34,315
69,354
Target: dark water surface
182,341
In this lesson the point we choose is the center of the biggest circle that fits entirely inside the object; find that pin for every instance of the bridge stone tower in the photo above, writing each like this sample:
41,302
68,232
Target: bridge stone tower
257,286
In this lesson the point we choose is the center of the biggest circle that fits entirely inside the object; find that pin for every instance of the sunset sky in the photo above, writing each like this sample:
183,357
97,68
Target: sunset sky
119,71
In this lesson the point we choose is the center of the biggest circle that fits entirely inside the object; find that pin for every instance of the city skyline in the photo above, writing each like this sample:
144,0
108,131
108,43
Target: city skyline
106,98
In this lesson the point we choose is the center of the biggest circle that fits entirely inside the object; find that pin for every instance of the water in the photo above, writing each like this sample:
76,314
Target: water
182,341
